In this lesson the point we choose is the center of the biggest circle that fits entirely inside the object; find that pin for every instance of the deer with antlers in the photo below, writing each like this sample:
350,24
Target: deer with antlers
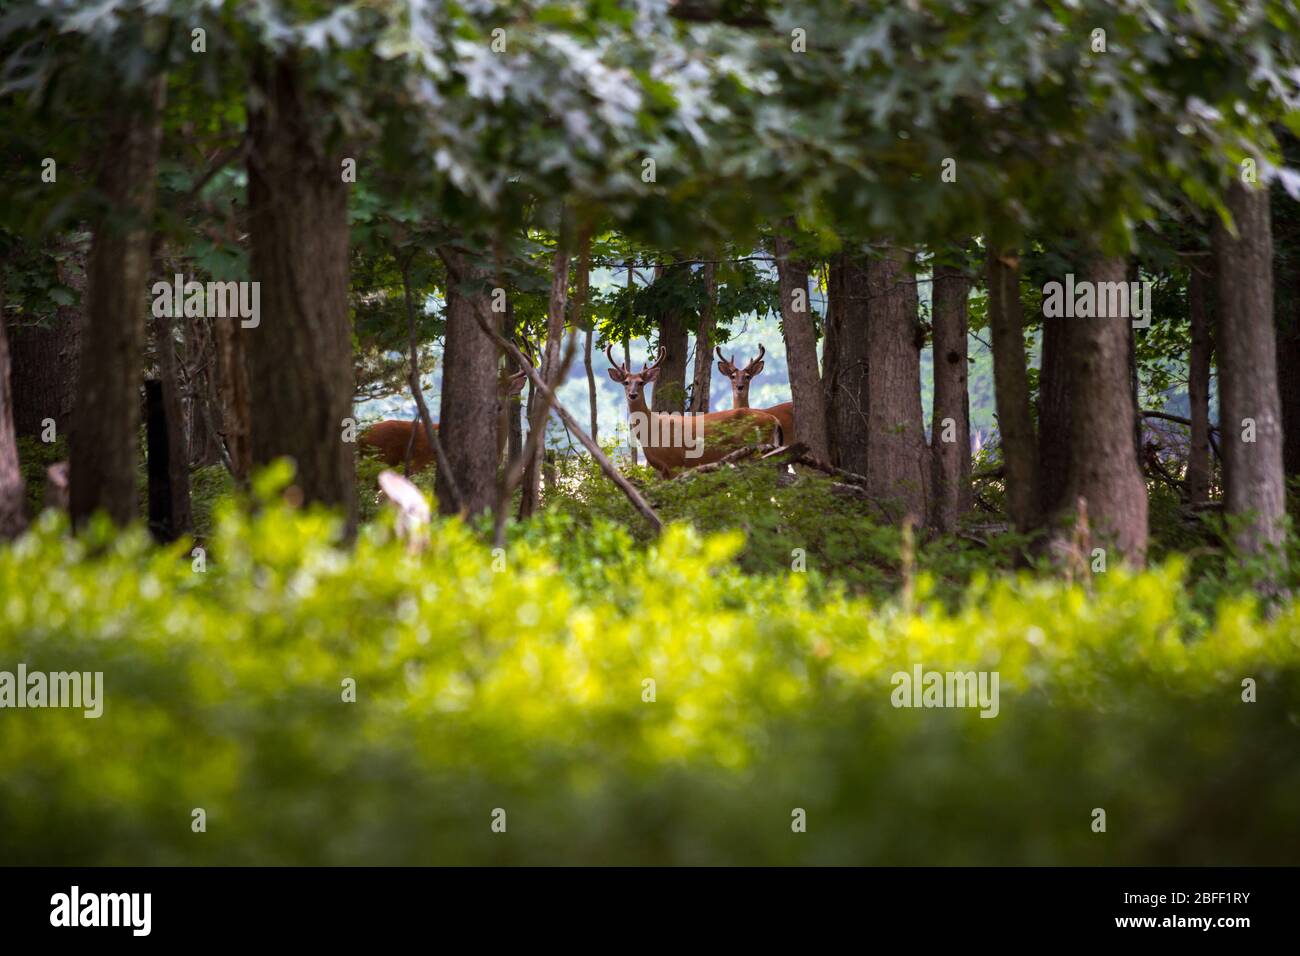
740,379
391,438
673,441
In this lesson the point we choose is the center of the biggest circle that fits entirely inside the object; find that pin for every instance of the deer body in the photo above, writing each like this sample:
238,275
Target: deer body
672,441
740,379
392,437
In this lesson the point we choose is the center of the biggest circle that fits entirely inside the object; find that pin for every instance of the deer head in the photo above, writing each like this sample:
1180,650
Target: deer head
634,383
740,377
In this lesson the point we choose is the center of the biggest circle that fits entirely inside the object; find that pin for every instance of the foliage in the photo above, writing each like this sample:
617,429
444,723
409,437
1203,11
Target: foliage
223,691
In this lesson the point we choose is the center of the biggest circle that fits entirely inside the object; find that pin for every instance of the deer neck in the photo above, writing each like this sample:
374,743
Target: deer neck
739,402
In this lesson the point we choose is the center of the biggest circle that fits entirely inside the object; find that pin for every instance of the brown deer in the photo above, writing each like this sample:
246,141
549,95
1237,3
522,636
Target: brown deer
673,441
740,379
391,437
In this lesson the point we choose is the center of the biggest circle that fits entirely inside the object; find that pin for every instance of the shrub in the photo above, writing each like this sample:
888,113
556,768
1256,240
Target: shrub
522,689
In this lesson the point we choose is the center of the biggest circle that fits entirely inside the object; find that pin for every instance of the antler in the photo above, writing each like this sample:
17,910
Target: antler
659,359
610,355
759,359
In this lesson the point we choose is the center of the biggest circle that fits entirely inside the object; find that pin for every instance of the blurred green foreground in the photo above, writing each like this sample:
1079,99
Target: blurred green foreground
523,688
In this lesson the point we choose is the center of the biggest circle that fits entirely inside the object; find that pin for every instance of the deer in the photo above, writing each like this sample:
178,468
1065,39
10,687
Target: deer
392,437
740,379
673,441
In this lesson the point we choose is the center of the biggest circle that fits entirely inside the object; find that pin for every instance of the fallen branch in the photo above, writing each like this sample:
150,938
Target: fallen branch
727,460
848,476
607,466
1179,420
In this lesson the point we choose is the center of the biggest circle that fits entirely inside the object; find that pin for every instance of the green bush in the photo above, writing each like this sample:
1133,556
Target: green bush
521,688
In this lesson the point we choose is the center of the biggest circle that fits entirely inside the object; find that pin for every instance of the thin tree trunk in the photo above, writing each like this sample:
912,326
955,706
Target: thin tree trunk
176,447
830,353
104,445
801,350
446,473
627,357
1251,410
539,411
668,394
234,398
1104,469
1199,292
702,381
1011,388
1054,413
579,307
468,419
950,423
13,498
898,460
300,355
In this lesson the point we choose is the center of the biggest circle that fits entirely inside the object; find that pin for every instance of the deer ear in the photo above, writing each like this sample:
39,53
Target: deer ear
722,367
651,374
517,383
756,367
616,374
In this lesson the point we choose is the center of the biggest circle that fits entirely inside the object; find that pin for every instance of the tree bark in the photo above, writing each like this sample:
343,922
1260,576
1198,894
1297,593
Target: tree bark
702,381
898,460
104,438
43,357
853,374
1286,310
669,392
1255,489
13,497
468,419
300,355
951,470
800,333
1104,469
1011,388
1199,294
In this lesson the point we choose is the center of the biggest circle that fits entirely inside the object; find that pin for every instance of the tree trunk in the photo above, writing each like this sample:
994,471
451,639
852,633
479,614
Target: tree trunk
300,355
1104,468
1286,310
468,419
43,357
669,391
1011,388
800,333
13,498
852,375
951,418
702,381
104,439
1200,290
898,460
234,397
1054,414
1250,422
